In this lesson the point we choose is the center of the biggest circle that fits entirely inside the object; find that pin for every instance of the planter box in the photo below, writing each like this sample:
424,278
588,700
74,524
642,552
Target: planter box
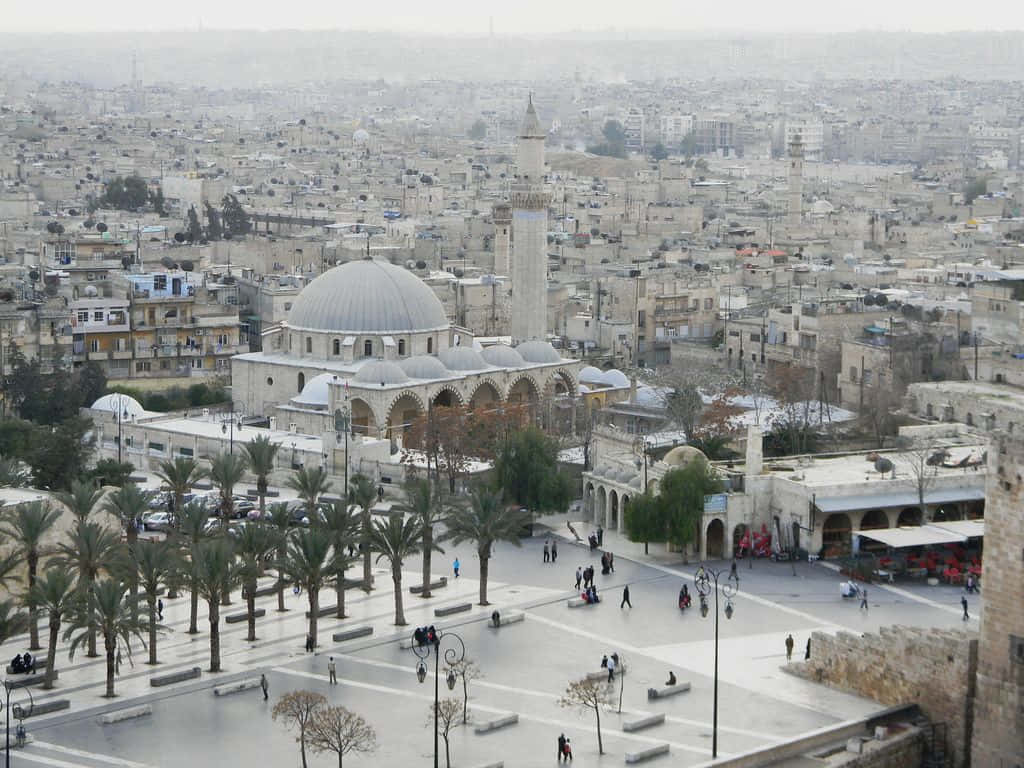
176,677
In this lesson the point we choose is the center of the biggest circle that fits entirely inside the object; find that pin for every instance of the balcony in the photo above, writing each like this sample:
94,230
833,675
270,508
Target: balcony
121,354
100,355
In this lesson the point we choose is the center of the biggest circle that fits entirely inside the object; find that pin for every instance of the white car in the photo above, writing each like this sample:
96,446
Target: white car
159,521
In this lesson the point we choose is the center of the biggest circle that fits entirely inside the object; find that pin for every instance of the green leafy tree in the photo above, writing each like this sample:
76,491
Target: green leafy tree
688,146
422,505
25,527
362,494
254,546
128,503
179,475
108,609
111,472
126,193
260,453
59,454
394,541
159,203
309,565
235,220
527,470
644,519
658,152
13,473
478,131
54,593
341,524
90,549
193,228
226,471
12,621
214,231
310,483
82,499
485,521
156,563
613,132
217,571
681,494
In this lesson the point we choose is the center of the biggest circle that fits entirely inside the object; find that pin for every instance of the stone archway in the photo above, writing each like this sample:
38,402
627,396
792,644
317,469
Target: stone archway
714,547
601,507
402,414
485,397
909,516
363,420
446,398
737,537
613,510
523,391
873,520
835,535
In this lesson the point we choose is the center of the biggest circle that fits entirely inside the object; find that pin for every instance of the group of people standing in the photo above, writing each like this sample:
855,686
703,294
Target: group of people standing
550,551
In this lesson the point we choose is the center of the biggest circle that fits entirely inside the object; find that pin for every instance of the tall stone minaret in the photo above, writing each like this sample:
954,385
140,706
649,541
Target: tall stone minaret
796,181
502,216
530,227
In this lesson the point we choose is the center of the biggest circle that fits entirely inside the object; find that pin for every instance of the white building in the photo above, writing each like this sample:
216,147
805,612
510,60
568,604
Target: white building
675,128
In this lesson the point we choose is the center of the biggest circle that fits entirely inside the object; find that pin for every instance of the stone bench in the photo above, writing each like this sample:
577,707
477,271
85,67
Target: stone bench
267,591
440,583
448,610
646,754
512,617
499,764
36,679
358,583
643,722
352,634
668,690
175,677
42,708
238,618
236,687
324,610
128,713
493,725
602,674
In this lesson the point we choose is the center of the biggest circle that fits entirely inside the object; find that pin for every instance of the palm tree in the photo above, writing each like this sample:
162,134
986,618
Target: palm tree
109,609
362,493
12,622
191,530
81,499
89,550
127,504
55,593
179,474
254,546
396,540
216,571
279,522
12,474
226,471
419,502
342,528
25,527
156,562
261,453
309,564
485,521
310,484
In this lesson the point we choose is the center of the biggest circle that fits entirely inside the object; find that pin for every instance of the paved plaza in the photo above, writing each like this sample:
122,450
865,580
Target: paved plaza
525,666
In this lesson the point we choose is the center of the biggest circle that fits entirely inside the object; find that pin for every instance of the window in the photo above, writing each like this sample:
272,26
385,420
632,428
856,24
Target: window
197,362
287,306
401,347
309,345
160,282
430,346
336,346
186,452
853,373
94,345
223,339
867,376
165,365
83,317
97,316
302,381
368,348
270,381
142,367
156,447
708,304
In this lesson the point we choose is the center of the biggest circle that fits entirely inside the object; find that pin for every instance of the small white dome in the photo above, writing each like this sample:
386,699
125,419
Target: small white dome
91,291
424,367
360,136
315,393
462,359
116,403
591,374
637,483
538,352
503,356
380,372
616,378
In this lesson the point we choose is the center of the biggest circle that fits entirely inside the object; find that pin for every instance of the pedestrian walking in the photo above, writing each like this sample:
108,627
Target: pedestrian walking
732,570
807,653
332,670
310,645
963,604
117,662
160,609
455,567
567,751
547,552
561,747
554,551
789,648
863,599
611,562
600,536
579,578
625,598
611,669
264,686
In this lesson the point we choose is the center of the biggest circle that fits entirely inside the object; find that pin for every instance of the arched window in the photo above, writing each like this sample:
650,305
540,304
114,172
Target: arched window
401,347
302,381
430,346
309,345
337,346
368,348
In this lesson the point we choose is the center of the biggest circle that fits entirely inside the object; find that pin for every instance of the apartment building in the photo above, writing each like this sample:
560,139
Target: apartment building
675,128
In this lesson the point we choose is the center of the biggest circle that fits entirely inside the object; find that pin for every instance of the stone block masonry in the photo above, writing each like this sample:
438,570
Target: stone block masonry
904,665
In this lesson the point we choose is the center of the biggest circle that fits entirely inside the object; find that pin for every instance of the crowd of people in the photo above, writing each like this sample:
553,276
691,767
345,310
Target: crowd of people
23,664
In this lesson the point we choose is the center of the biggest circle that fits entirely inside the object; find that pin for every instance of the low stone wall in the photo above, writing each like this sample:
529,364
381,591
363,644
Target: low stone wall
932,668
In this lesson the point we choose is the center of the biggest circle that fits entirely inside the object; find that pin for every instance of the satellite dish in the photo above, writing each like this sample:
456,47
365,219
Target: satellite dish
33,275
179,237
883,465
167,261
101,227
187,266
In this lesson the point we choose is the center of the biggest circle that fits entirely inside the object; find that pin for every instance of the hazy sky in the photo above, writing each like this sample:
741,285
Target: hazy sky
517,17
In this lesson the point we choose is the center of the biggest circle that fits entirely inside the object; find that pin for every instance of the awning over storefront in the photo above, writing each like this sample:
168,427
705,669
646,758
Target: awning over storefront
912,536
897,499
968,528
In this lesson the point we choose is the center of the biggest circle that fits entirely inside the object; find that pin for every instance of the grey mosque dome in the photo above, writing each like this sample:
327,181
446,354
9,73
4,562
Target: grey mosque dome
462,359
538,352
368,296
381,372
503,356
315,393
424,367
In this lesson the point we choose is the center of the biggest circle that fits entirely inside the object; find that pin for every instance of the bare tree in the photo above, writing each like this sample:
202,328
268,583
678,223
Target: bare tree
923,459
446,720
298,710
587,694
339,730
467,670
877,414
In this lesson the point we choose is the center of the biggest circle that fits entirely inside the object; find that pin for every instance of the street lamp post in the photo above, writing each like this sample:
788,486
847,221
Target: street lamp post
455,653
9,687
120,415
224,428
706,581
342,423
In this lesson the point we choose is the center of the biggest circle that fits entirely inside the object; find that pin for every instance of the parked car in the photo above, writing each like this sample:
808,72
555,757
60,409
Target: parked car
159,521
